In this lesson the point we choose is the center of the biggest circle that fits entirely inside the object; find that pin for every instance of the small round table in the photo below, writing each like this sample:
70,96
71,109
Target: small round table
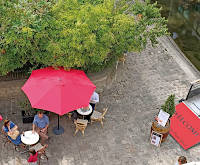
84,112
30,138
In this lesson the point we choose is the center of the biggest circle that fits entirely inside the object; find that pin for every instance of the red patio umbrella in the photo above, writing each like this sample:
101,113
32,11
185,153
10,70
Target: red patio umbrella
58,91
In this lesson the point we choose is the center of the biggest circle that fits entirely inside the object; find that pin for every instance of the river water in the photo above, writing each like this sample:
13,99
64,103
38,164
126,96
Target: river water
184,26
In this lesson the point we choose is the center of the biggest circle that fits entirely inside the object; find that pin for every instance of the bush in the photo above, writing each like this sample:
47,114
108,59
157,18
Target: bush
88,35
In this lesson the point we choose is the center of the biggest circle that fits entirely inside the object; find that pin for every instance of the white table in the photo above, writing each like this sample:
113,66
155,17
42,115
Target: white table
83,112
30,138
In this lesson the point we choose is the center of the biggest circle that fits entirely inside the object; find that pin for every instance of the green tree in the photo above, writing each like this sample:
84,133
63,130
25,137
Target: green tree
23,27
85,34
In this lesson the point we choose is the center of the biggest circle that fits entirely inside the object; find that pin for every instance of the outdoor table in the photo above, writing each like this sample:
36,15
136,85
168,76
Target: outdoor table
84,112
29,138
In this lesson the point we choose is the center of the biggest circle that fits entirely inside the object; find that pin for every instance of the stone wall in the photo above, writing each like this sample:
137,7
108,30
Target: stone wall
102,80
10,89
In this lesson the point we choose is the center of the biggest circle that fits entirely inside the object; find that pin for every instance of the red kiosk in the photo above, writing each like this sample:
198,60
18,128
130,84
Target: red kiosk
185,123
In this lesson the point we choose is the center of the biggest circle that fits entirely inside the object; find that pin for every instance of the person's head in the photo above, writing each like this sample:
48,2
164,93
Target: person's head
182,160
33,152
6,123
40,114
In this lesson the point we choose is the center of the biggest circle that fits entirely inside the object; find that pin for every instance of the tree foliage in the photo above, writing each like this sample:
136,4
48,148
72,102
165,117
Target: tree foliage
85,34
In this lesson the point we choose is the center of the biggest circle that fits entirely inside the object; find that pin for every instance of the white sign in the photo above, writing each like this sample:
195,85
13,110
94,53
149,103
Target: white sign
156,138
163,118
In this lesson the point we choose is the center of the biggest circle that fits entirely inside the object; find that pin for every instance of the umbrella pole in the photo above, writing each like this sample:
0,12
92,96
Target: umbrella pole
58,121
58,129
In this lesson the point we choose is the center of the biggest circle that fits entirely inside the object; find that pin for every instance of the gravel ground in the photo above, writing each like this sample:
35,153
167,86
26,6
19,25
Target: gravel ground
141,87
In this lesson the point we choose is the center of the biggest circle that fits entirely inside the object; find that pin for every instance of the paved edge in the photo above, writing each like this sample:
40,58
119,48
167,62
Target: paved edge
179,56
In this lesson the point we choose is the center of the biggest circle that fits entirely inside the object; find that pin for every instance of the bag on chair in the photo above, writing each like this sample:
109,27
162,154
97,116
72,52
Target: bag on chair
14,134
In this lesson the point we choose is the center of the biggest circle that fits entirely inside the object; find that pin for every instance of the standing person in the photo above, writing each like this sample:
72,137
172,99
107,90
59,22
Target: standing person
94,99
40,125
181,160
33,157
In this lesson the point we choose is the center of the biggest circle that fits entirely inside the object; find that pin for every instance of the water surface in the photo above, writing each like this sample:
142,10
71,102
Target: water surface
184,25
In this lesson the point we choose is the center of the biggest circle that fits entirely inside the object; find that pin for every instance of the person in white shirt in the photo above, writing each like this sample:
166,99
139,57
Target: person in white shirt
94,99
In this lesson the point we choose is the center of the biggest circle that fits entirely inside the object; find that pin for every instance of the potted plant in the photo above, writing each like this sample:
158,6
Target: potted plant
168,107
28,112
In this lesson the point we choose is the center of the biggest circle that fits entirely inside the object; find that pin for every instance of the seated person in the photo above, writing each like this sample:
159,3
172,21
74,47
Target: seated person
40,125
10,128
33,157
40,149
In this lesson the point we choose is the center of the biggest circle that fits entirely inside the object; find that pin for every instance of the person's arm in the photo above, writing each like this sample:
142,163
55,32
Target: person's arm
47,122
45,128
34,124
14,128
33,127
97,98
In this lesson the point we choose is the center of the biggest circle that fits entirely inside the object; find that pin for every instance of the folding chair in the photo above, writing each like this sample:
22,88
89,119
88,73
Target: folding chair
7,140
41,149
80,125
98,116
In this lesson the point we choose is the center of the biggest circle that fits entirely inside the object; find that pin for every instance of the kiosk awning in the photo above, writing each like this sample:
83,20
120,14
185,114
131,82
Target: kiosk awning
185,126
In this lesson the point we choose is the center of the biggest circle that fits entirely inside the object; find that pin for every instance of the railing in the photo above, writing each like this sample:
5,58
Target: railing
17,75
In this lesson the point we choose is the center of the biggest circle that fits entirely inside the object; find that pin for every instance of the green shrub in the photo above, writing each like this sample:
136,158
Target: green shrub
84,34
169,105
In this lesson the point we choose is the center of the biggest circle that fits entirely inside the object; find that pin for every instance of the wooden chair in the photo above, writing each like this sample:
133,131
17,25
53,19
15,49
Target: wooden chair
80,125
98,116
7,140
41,149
